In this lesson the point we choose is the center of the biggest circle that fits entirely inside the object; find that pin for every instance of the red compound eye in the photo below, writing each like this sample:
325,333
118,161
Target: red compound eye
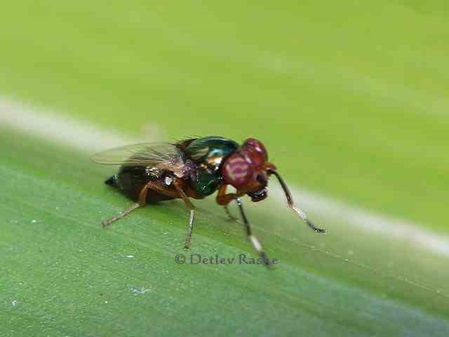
255,151
257,146
237,171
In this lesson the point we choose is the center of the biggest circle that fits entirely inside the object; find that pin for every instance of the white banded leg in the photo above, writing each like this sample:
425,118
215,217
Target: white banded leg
255,242
292,205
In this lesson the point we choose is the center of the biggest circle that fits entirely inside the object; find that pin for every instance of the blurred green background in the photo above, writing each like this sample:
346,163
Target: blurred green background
351,101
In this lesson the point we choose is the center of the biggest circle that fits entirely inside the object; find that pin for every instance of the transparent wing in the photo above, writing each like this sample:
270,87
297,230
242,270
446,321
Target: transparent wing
160,155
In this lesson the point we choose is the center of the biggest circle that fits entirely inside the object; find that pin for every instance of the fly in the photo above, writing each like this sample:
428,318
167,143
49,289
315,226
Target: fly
196,168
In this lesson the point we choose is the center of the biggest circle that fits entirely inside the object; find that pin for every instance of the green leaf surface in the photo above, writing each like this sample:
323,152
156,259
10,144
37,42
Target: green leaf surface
61,274
350,99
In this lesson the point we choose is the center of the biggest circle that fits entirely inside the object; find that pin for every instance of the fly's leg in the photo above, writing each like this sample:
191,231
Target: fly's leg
228,212
291,204
122,214
252,238
141,202
224,199
178,185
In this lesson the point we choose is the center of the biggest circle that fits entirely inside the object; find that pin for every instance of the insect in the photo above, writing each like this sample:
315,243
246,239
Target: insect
196,168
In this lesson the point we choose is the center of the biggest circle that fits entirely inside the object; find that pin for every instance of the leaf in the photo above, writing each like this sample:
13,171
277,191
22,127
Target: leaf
61,274
351,102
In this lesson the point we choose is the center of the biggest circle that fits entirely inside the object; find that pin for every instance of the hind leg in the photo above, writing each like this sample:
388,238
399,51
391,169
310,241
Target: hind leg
122,214
179,192
141,202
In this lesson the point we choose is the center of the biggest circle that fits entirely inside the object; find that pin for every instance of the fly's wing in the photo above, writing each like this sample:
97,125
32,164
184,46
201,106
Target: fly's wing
164,156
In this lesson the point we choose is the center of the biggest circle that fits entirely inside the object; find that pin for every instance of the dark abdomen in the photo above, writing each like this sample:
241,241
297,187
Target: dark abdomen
130,180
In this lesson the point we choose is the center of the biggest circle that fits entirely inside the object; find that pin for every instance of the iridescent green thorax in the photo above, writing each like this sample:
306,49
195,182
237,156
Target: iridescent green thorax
208,154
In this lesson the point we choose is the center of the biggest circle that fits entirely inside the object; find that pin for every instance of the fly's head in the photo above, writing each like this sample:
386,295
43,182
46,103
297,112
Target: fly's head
247,169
